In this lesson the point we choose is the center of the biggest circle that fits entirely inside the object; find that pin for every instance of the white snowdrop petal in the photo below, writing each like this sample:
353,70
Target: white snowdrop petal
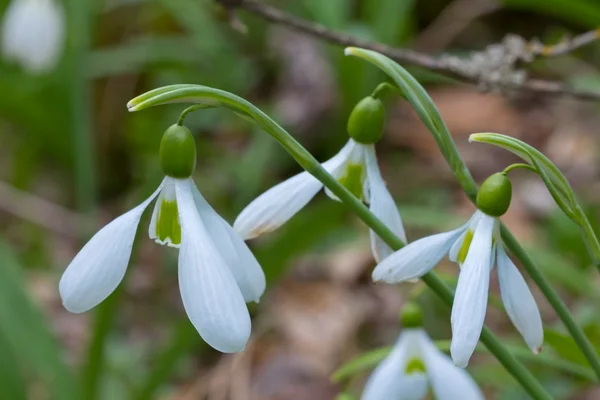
210,294
276,206
390,381
33,33
238,257
383,206
470,301
519,302
416,258
100,265
447,380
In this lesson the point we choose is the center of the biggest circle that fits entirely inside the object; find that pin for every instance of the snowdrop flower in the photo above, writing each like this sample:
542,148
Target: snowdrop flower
355,167
33,33
475,246
217,271
415,365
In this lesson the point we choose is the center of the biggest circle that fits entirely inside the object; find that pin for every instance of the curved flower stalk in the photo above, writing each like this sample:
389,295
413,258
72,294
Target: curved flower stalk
355,167
416,95
33,34
217,271
414,365
476,247
211,97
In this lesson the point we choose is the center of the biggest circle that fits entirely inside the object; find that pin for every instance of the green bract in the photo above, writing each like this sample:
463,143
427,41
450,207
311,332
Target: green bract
411,316
494,195
366,121
177,152
555,181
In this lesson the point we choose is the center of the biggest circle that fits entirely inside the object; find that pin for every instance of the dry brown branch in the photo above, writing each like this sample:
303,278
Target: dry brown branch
504,77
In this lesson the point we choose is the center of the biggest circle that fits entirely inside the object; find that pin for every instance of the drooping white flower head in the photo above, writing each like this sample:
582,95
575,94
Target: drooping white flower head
33,34
475,246
414,366
217,271
355,166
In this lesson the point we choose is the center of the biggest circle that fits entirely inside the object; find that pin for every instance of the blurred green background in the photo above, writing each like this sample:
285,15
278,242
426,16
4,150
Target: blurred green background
72,158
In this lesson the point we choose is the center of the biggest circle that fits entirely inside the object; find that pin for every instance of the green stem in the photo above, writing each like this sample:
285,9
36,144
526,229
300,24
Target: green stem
519,165
519,372
416,95
384,88
589,237
190,109
370,359
221,98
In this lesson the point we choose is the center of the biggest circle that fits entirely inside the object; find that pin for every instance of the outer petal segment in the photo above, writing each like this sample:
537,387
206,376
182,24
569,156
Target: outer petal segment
238,257
447,380
99,267
417,258
470,302
277,205
519,302
210,294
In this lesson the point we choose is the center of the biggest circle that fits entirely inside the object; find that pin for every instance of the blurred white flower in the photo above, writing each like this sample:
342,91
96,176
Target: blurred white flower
33,34
355,167
217,270
414,365
475,246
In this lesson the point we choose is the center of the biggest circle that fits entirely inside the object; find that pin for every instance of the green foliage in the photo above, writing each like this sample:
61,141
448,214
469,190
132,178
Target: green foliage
25,334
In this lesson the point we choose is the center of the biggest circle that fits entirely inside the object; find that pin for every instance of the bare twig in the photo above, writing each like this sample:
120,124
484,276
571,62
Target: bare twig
39,211
566,46
494,68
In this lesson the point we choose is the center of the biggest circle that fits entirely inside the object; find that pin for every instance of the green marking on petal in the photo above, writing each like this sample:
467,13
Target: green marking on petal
464,249
168,229
414,366
353,179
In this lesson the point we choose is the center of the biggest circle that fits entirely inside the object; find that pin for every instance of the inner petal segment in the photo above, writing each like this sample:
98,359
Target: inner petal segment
164,227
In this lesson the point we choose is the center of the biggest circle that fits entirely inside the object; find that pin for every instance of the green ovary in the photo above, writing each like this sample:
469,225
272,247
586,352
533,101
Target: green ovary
353,179
464,249
167,223
414,366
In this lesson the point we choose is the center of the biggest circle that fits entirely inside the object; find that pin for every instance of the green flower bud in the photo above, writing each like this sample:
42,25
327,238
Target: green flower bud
411,316
366,121
494,195
177,152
